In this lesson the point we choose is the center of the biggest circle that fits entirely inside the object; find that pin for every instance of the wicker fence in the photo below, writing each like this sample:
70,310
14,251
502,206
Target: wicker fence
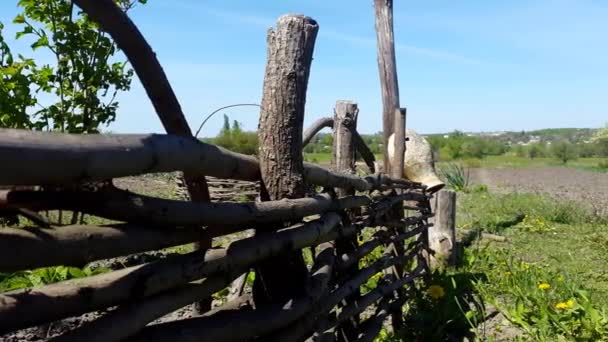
302,206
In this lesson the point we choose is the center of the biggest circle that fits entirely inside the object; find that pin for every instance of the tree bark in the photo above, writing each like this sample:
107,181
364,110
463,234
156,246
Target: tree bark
290,50
28,248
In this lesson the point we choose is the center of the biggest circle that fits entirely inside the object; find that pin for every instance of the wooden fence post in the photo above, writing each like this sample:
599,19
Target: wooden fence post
442,236
387,67
343,161
391,113
290,49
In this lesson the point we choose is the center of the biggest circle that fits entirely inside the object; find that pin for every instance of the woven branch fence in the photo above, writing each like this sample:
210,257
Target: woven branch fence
289,300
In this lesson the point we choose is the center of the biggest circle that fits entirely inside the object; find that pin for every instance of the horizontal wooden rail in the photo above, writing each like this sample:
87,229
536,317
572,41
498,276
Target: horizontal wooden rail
242,325
383,290
373,325
123,205
27,248
24,308
132,316
347,260
71,158
298,330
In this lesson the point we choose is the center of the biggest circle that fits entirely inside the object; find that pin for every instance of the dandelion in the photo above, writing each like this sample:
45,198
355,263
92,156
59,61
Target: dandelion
435,291
565,305
544,286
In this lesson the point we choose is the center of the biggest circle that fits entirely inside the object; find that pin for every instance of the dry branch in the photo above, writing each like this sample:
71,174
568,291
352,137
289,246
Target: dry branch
367,247
126,206
130,318
23,308
143,59
78,245
328,302
70,158
241,325
374,323
383,290
152,76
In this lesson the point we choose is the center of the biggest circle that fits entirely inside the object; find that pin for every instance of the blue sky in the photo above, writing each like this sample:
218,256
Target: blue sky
473,65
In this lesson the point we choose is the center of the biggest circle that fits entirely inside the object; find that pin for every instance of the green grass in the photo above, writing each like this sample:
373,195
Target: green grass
560,236
548,280
502,162
325,158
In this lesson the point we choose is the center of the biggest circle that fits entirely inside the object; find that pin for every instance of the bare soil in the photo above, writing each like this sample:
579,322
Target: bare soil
563,183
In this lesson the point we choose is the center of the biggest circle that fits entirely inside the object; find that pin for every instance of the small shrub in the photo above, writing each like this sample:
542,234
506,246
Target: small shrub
455,176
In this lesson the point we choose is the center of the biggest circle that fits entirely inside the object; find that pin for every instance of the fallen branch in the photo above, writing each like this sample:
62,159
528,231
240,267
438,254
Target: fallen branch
78,245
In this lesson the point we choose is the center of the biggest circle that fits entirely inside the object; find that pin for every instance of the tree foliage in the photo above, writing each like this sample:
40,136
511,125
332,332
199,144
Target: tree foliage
76,92
235,139
564,151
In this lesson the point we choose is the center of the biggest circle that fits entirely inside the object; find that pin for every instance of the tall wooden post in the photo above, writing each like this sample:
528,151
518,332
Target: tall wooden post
290,49
387,66
345,125
442,235
393,119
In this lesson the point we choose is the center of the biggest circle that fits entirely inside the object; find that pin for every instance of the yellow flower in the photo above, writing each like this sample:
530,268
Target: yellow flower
435,291
565,305
544,286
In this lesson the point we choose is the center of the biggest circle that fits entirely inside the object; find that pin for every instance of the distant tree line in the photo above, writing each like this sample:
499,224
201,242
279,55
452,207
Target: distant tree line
562,144
235,139
458,145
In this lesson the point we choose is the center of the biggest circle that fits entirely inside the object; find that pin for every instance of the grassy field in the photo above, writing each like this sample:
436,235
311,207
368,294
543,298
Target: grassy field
503,161
546,281
507,161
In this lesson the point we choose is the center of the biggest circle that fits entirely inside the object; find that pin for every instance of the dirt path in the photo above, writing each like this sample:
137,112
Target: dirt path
583,186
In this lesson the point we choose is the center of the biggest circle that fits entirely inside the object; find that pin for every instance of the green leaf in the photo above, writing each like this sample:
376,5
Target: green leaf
19,19
43,41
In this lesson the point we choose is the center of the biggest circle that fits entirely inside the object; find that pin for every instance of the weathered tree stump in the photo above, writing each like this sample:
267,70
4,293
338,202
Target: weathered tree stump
290,49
